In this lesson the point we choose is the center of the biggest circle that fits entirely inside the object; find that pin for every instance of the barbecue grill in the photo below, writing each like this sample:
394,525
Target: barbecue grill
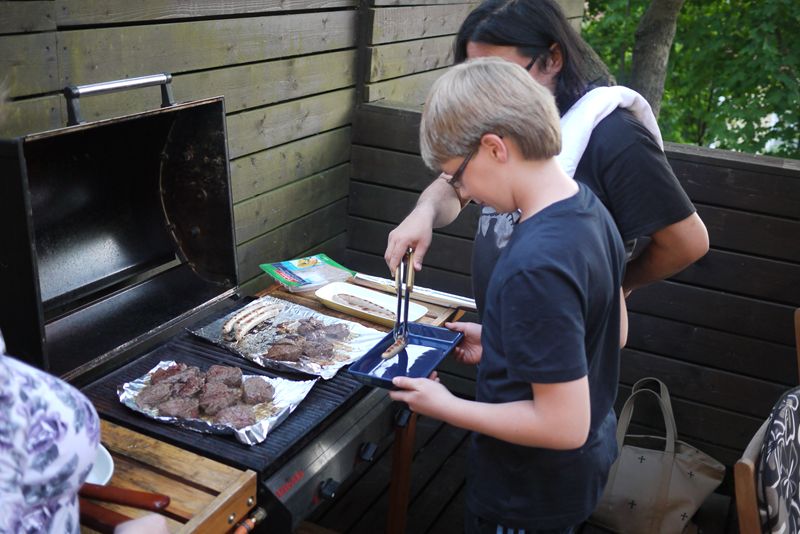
118,237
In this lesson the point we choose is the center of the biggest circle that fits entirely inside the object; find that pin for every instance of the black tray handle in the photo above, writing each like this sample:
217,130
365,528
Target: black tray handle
73,92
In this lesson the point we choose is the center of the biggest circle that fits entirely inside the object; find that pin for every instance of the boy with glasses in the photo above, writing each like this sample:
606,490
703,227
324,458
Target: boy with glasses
548,351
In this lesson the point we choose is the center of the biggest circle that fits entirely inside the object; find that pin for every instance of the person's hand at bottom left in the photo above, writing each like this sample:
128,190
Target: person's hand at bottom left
148,524
425,396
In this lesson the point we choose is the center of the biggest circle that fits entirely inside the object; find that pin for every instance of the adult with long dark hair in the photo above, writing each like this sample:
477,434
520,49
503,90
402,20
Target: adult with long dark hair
622,161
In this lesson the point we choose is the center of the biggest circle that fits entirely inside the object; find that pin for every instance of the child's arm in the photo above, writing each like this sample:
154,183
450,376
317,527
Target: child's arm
558,418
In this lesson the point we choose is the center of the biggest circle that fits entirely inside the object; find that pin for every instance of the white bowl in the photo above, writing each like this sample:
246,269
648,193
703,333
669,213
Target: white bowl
103,467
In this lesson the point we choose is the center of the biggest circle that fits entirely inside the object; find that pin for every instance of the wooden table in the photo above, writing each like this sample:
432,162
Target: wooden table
403,448
205,496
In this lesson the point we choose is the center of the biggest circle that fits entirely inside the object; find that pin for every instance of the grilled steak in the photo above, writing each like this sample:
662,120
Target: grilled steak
213,402
189,373
285,352
162,374
154,394
237,416
337,331
230,376
318,350
193,385
256,390
186,408
309,325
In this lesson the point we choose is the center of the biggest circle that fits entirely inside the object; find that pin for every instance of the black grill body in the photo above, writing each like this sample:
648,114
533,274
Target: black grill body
118,235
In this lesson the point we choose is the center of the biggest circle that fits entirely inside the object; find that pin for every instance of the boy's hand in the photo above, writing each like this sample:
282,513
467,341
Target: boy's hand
469,351
423,395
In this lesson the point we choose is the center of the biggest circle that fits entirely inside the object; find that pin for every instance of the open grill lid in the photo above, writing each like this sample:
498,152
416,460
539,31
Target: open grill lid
112,232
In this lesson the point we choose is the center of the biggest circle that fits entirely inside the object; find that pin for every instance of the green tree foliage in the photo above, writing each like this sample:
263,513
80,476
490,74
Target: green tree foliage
733,79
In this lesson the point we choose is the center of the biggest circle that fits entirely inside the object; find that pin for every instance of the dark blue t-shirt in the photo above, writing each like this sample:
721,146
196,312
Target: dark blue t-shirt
552,315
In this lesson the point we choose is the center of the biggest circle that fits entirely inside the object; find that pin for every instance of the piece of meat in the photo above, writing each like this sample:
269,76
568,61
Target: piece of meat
309,325
161,374
231,376
211,403
212,388
318,350
191,387
256,390
395,348
189,373
337,331
285,352
154,394
237,416
186,408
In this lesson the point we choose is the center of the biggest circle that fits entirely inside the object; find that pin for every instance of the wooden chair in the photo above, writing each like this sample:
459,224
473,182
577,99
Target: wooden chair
797,338
744,471
744,480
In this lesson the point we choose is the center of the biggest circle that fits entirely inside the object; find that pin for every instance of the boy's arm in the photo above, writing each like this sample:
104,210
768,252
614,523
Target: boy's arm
558,418
438,205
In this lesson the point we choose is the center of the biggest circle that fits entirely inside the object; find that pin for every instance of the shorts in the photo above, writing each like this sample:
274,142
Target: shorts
477,525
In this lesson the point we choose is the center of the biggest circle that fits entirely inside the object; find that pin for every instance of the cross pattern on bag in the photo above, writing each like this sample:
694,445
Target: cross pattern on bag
631,503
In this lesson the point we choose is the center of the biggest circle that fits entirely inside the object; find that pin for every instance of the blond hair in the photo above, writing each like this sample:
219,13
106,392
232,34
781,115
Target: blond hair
488,95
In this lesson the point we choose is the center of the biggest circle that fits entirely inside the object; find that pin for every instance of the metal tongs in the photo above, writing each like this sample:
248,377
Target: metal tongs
403,276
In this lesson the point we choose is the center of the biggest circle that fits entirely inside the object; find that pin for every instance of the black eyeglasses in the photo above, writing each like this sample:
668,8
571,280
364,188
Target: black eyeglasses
532,62
455,178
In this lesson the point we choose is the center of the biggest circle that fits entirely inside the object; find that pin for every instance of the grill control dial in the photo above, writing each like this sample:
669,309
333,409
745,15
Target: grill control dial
327,489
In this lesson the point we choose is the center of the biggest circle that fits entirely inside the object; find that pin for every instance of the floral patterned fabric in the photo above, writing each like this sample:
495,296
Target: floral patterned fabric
49,433
778,487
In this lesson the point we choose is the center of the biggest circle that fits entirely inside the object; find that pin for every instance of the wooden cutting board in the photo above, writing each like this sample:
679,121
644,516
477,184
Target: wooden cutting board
205,496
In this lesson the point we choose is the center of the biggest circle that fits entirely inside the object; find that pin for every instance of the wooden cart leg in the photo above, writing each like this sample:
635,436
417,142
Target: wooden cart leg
399,486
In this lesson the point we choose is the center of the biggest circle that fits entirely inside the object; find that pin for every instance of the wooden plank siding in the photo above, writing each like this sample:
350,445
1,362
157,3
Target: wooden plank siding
27,17
287,69
720,333
408,43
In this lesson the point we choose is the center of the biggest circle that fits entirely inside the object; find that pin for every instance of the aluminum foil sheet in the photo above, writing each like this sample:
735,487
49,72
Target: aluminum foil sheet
287,395
255,345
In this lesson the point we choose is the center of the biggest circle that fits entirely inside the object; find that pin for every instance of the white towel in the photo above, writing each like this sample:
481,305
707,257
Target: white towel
577,123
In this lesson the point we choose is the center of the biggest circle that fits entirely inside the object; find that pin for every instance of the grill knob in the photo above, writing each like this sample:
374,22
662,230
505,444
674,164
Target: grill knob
367,451
327,489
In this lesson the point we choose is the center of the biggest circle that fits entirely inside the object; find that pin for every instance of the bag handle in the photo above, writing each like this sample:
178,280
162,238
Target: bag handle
627,413
669,448
663,392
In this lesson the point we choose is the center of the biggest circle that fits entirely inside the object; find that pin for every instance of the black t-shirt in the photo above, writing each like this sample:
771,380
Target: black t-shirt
552,315
626,169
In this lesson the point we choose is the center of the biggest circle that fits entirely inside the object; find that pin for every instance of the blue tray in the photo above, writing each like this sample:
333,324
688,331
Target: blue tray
427,347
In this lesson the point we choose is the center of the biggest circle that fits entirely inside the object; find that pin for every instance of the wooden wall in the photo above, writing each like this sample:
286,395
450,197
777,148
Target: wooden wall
406,43
720,334
287,69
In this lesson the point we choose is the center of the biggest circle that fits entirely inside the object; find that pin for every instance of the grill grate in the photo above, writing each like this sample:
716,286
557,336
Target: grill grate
318,410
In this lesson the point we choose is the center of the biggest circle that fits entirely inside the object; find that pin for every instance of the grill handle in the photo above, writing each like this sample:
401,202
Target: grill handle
73,92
